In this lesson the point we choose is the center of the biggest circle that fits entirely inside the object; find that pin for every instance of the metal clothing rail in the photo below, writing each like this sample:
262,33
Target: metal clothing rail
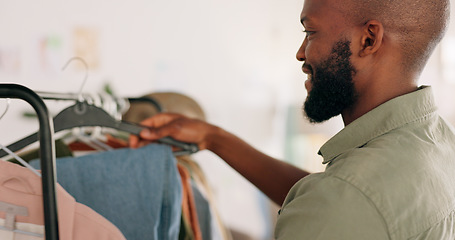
83,114
77,97
47,153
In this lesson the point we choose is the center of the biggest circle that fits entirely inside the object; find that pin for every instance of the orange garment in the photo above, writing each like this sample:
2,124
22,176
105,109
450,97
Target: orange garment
188,205
20,187
199,178
110,141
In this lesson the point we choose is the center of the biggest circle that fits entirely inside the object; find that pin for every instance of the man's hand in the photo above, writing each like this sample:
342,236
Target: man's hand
175,126
272,176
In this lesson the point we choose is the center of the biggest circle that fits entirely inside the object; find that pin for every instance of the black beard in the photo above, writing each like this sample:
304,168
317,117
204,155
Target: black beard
332,88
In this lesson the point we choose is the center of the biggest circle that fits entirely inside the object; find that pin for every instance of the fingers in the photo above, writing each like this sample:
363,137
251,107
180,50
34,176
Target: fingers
136,142
175,126
160,125
168,129
160,119
133,141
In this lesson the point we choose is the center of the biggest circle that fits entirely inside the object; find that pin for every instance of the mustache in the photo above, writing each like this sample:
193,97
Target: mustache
307,68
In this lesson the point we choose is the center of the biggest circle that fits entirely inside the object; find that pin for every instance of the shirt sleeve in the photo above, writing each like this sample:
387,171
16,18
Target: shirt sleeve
329,208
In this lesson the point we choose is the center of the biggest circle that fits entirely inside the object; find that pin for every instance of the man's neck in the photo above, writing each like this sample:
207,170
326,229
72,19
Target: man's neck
371,99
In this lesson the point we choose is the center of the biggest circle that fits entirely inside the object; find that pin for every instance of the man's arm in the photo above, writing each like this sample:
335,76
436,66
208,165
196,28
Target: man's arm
273,177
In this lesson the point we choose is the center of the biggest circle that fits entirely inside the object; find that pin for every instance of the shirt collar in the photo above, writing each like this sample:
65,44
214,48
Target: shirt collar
382,119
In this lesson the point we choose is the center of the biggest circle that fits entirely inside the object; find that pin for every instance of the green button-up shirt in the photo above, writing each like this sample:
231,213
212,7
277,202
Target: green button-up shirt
390,175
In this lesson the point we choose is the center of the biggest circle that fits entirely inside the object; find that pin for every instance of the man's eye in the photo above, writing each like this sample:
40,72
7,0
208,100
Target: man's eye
308,33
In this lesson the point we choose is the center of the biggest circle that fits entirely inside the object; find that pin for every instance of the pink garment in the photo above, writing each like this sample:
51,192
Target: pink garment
20,187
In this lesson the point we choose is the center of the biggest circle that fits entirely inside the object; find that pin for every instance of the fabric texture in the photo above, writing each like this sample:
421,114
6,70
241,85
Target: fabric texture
21,187
210,228
390,175
210,221
138,190
188,203
22,231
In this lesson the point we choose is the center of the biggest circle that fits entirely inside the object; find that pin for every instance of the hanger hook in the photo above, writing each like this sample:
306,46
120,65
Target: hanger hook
8,101
81,98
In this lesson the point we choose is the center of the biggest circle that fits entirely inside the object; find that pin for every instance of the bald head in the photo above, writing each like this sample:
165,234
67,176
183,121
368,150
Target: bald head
417,25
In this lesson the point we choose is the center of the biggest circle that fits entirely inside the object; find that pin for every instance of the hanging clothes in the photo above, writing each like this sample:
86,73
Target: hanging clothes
138,190
21,210
196,201
197,216
211,226
189,210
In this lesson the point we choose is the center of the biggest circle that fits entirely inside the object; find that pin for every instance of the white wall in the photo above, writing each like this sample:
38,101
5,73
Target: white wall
236,58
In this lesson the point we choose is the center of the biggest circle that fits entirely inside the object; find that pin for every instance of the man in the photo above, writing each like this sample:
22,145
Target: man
390,171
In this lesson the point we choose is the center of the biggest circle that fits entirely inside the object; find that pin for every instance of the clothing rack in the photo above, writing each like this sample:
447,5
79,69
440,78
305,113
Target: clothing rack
47,153
134,129
76,97
83,114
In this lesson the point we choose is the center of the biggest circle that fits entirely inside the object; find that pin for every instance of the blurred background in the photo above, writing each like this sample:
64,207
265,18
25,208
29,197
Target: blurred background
235,58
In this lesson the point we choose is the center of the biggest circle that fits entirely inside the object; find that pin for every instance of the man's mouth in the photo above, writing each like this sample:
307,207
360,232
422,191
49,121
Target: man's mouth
307,69
309,72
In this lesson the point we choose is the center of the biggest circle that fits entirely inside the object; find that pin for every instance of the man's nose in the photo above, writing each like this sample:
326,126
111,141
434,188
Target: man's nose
301,52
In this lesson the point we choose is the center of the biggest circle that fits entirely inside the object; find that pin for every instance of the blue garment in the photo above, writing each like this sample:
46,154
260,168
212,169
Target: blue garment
203,213
138,190
207,221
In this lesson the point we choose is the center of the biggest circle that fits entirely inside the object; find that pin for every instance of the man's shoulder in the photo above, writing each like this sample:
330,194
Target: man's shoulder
406,174
328,207
404,150
399,184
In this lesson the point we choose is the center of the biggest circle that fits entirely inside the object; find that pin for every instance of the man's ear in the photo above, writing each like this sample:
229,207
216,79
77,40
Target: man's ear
372,36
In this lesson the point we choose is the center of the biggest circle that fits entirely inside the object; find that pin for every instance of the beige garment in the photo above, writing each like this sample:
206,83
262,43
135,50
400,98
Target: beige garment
171,102
20,187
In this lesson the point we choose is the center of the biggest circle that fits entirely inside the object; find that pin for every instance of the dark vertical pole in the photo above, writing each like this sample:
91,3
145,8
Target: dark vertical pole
47,153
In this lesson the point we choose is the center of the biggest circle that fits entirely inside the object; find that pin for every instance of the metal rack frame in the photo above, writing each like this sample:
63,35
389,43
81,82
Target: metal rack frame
47,153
